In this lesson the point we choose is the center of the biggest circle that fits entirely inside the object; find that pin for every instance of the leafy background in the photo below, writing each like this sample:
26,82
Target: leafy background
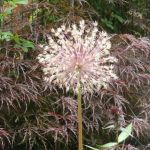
32,117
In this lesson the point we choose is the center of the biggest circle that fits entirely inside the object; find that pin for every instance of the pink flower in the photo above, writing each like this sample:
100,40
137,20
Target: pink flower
79,49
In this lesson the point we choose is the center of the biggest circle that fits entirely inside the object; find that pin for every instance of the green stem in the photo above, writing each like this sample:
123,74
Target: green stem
117,147
80,138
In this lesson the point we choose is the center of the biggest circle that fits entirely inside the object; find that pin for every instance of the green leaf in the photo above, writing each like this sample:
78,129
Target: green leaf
24,44
24,2
108,145
119,18
91,147
6,36
28,44
1,17
25,49
8,10
107,23
126,132
16,38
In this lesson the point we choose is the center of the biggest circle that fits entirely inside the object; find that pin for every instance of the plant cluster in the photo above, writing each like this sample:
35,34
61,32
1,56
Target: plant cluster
123,16
34,116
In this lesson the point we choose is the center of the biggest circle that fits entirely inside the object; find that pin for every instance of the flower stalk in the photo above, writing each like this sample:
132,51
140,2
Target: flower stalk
79,116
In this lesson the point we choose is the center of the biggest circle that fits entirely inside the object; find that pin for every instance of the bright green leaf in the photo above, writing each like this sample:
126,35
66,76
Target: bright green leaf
25,49
108,145
26,45
126,132
5,36
24,2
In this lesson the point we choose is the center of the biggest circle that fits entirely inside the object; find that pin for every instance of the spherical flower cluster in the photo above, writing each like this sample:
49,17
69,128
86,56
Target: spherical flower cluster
78,52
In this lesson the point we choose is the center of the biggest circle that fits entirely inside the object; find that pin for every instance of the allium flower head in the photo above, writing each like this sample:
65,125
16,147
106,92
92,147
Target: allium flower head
79,51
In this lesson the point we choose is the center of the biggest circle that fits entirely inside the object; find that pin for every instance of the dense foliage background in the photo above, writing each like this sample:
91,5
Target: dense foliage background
32,117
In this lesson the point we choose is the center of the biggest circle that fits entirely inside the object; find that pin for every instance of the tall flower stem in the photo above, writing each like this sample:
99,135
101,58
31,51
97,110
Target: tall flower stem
79,115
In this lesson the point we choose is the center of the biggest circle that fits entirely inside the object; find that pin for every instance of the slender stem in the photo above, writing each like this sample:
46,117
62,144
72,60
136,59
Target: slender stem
117,125
80,138
117,147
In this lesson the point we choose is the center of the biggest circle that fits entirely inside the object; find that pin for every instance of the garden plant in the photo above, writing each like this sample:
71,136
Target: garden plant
74,74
